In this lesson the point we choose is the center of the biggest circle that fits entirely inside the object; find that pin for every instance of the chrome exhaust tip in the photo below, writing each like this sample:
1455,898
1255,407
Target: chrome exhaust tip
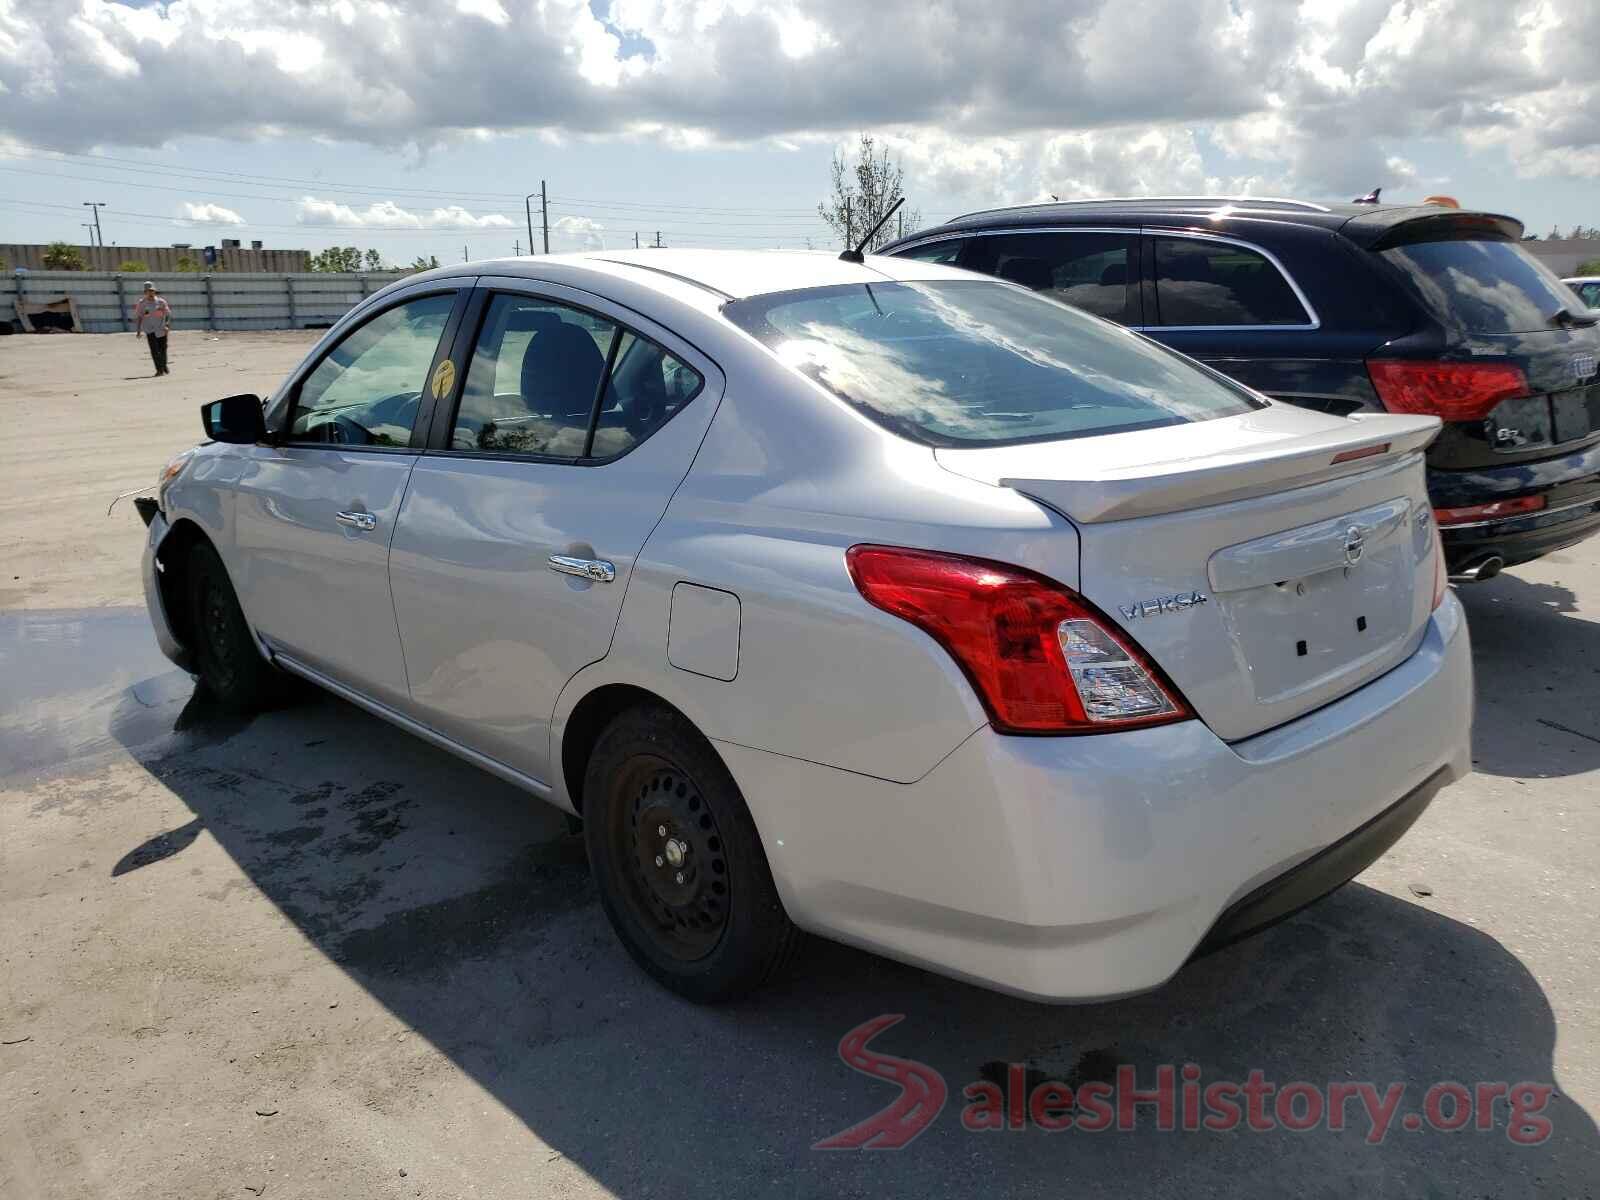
1484,568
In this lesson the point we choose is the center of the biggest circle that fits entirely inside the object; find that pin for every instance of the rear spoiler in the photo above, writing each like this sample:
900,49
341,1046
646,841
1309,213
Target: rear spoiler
1386,227
1117,492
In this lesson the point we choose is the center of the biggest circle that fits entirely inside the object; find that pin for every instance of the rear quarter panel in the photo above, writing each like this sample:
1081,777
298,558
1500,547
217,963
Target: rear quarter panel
787,480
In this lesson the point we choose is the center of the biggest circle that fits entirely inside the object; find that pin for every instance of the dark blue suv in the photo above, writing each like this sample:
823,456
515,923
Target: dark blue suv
1342,308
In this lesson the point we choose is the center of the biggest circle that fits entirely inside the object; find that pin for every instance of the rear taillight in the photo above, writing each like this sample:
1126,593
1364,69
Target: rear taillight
1456,391
1492,511
1043,660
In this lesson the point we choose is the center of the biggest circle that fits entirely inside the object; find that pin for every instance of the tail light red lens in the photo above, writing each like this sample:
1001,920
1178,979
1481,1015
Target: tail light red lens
1042,659
1491,511
1456,391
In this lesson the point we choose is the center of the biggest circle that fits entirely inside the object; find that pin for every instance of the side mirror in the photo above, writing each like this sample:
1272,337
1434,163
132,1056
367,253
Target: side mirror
235,419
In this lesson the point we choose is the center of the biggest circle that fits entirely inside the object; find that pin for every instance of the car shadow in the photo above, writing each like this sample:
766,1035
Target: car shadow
465,909
1536,662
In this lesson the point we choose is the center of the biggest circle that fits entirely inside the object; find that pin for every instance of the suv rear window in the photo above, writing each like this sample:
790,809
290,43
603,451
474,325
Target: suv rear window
978,363
1483,286
1208,283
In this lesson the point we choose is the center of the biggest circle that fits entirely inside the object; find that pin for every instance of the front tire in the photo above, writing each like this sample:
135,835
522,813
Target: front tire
679,865
230,664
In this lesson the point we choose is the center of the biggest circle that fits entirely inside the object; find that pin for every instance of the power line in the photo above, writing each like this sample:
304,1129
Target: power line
290,183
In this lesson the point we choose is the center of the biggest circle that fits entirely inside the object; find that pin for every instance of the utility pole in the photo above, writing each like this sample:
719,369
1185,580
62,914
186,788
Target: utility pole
516,249
463,254
900,226
90,227
527,207
849,225
544,214
635,239
97,205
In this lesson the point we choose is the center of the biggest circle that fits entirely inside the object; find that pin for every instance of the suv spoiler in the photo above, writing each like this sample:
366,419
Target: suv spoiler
1400,226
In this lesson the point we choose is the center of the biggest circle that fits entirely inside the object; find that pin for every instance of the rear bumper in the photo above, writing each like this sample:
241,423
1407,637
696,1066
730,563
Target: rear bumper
1570,484
1074,869
1520,539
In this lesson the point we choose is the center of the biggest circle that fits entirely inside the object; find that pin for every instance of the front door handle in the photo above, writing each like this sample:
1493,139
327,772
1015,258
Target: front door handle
358,520
595,569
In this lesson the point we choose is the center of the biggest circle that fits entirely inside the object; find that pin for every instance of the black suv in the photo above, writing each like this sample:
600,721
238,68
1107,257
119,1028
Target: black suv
1342,308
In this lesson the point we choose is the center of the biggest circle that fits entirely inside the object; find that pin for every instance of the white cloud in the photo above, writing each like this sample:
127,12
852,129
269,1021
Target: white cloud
386,214
208,214
577,233
1315,95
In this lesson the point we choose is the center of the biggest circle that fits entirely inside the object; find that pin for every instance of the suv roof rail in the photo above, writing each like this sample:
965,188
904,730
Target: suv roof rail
1260,202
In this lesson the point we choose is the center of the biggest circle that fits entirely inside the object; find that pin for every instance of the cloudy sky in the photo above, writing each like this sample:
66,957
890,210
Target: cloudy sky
418,128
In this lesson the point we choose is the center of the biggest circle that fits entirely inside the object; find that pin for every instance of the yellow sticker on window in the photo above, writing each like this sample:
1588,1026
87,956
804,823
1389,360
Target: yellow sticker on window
444,379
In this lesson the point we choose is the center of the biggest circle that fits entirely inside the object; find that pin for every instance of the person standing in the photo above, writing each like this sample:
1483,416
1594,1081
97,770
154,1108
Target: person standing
152,318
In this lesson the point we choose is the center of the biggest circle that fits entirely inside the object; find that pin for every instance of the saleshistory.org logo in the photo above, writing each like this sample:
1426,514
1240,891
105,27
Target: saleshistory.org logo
1178,1099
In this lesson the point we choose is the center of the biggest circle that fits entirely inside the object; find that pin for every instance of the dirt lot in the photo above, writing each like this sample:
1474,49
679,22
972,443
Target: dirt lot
307,956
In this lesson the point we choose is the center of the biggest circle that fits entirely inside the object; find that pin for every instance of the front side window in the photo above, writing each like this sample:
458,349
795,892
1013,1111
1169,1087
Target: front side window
1218,283
538,384
1091,271
1589,293
975,363
366,390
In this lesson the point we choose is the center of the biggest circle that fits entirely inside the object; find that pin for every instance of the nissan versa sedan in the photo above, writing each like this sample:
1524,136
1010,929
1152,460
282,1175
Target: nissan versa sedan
876,599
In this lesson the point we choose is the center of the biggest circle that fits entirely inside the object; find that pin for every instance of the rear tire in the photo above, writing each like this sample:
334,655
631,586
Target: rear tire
679,865
230,663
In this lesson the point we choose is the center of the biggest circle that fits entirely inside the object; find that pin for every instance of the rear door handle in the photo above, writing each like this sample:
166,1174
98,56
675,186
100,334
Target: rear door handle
596,569
358,520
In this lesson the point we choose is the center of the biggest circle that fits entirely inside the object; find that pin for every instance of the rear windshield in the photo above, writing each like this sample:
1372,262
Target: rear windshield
978,363
1483,286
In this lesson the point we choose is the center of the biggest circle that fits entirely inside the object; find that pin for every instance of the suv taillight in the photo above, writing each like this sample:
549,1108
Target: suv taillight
1043,660
1456,391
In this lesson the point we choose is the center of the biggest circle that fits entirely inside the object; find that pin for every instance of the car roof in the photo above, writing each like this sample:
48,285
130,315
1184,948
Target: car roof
1366,224
716,275
1581,279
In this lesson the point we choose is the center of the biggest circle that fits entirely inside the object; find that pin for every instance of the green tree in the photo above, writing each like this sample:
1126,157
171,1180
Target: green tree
133,266
430,263
862,192
337,259
1592,267
373,260
188,265
63,256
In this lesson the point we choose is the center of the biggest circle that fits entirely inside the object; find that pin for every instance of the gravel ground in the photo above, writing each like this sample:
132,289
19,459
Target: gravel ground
307,956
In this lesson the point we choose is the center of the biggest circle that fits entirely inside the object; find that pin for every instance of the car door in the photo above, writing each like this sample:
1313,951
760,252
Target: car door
574,422
1235,306
315,512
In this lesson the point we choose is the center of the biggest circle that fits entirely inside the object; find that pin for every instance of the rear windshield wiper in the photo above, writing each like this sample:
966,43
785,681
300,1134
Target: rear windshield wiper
1565,317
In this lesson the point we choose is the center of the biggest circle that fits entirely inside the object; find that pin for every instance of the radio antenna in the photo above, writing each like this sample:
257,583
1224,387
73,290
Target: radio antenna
855,256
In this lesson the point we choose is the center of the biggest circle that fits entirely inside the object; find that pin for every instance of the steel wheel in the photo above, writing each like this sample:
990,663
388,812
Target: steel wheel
680,877
681,870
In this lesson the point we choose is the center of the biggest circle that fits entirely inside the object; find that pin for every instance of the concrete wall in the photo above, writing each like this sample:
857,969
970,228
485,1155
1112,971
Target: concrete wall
227,300
1564,254
162,258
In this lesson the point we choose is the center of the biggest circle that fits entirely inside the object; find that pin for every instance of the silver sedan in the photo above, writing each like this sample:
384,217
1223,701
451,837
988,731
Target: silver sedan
874,599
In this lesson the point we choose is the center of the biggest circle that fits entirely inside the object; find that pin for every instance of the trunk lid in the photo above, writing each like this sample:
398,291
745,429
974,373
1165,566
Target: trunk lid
1498,304
1269,562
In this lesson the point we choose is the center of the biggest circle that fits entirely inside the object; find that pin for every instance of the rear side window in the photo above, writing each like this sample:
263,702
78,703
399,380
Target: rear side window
1091,271
1206,283
1482,286
935,252
1589,293
975,363
539,384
